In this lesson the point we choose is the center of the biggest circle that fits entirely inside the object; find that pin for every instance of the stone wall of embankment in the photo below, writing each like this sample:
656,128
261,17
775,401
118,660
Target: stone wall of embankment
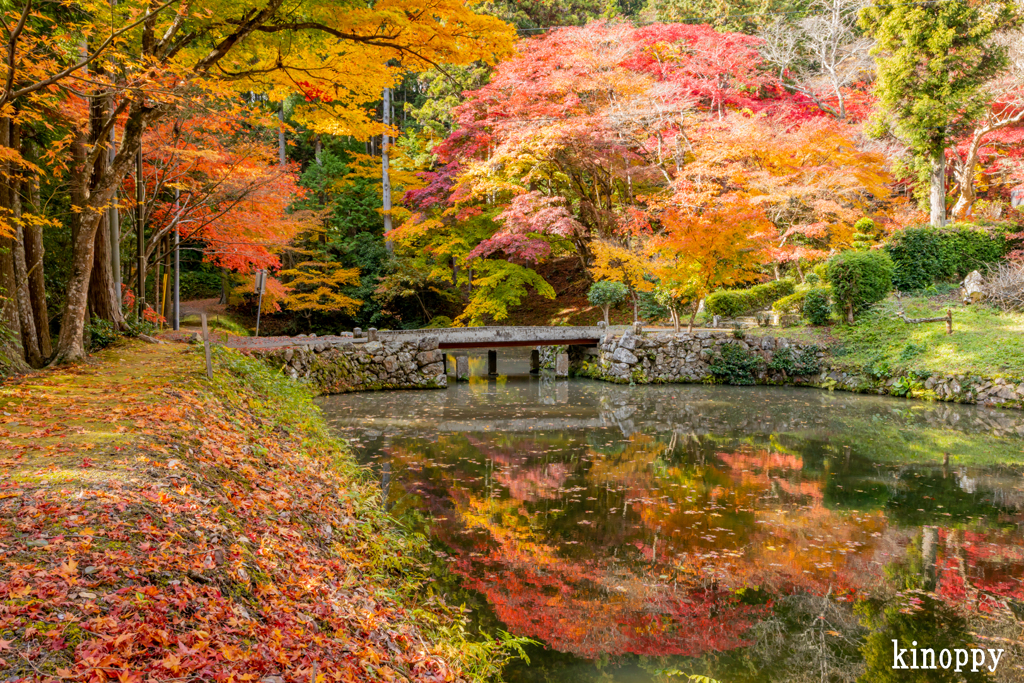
720,357
340,367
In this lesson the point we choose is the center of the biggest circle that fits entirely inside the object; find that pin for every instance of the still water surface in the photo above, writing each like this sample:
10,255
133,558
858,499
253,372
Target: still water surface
745,533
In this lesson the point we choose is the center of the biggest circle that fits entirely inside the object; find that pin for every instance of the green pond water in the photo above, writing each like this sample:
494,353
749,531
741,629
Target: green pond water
744,533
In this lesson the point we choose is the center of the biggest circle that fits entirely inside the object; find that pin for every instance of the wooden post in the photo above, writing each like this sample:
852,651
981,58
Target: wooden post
492,362
949,321
206,347
261,283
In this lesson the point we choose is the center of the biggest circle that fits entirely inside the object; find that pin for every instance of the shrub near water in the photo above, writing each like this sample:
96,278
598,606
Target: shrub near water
734,364
858,279
817,309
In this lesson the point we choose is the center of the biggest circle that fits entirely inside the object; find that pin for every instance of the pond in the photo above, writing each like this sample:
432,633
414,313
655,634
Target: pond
743,533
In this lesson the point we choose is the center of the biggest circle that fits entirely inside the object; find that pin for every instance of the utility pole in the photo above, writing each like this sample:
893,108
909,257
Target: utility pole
385,170
140,233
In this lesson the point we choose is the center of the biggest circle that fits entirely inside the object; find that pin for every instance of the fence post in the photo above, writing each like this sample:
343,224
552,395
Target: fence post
206,347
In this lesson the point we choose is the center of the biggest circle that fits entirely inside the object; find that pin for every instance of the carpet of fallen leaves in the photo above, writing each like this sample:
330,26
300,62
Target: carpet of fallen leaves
155,526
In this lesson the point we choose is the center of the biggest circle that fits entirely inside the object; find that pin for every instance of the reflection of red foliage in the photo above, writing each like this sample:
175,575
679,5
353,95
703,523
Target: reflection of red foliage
534,483
751,466
758,461
563,607
979,569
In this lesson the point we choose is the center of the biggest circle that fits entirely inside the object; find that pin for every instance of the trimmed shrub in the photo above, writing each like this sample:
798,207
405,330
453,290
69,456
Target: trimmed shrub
727,303
649,308
817,309
790,304
858,279
922,256
916,254
763,296
968,247
736,302
865,225
812,279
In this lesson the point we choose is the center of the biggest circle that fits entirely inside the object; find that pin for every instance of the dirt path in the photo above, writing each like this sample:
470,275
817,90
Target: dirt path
210,307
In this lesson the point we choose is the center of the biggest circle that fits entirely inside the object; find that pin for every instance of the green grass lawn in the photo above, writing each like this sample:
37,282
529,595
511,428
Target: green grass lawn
985,340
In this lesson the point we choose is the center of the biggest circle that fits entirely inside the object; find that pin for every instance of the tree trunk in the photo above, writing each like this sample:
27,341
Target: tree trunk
103,299
693,316
606,308
849,313
12,352
937,190
29,339
33,242
224,286
70,345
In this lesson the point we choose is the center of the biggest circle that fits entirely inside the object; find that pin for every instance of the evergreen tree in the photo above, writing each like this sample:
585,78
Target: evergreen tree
934,61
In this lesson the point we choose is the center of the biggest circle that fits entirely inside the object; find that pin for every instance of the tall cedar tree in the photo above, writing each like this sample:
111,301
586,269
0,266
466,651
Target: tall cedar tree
934,63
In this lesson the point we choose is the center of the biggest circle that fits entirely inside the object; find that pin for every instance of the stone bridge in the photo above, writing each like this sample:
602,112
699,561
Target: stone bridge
407,358
447,338
453,338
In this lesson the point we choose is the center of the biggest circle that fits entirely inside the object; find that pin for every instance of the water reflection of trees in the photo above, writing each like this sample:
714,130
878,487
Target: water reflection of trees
646,531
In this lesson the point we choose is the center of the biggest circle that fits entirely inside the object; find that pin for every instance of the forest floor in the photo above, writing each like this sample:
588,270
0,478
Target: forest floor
156,525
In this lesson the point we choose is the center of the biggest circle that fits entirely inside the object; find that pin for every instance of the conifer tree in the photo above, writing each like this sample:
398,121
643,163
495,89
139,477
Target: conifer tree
934,62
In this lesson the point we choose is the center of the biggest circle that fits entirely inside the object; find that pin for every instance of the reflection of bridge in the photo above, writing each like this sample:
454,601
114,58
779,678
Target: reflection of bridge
518,425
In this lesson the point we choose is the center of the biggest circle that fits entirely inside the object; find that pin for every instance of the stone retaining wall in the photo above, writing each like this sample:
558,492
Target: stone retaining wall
683,357
340,367
952,388
660,358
